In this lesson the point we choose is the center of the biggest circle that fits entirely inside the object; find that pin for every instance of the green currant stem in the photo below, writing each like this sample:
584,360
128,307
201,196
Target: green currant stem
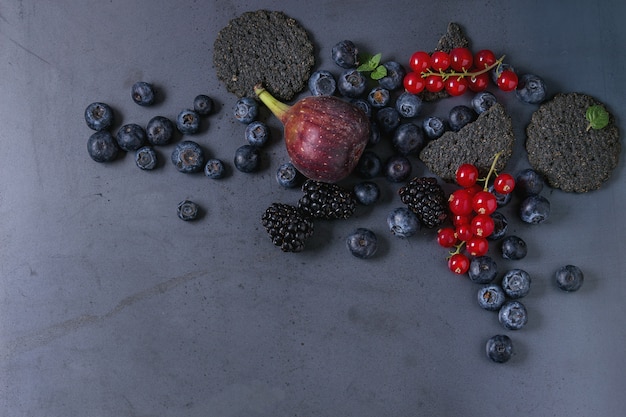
492,170
457,249
445,75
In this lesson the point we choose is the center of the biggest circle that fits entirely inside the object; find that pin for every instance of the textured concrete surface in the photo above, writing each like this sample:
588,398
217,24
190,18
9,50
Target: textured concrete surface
112,306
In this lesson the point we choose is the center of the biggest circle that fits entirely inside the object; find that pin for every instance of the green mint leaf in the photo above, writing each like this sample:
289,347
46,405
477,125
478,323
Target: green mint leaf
369,63
597,116
379,73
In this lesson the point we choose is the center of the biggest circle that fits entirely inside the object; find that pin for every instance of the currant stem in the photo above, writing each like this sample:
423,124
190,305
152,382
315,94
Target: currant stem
457,249
445,75
492,170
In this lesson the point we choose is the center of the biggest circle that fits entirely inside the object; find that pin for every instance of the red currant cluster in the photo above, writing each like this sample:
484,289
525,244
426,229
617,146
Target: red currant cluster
456,72
471,207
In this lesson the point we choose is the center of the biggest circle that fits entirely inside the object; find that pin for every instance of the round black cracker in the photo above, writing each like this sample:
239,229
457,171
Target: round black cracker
476,143
266,47
560,147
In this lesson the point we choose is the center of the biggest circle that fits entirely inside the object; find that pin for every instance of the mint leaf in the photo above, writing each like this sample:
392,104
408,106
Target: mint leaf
597,116
370,63
379,73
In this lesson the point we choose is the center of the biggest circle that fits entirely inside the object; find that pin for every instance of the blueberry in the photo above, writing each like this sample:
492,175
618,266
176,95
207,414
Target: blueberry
499,348
247,158
203,105
460,116
388,119
159,130
188,122
379,97
322,83
513,248
528,182
99,116
131,137
531,89
569,278
288,176
535,209
491,297
369,165
362,243
374,135
482,270
102,147
397,168
364,105
187,210
395,76
434,127
345,54
352,83
501,199
516,283
257,133
483,101
500,226
188,157
408,105
513,315
143,93
246,110
366,192
214,168
408,139
403,222
146,158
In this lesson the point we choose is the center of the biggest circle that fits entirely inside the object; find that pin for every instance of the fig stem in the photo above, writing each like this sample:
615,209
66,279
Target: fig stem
278,108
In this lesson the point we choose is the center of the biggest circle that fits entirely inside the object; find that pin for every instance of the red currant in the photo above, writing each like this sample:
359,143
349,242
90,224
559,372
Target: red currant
473,190
466,175
420,61
456,86
504,183
477,246
507,81
459,219
439,61
484,202
414,83
478,82
484,58
461,59
446,237
458,263
482,225
434,83
464,232
460,202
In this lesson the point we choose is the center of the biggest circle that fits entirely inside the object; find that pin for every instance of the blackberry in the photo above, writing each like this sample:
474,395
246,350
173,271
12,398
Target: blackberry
425,197
324,200
287,226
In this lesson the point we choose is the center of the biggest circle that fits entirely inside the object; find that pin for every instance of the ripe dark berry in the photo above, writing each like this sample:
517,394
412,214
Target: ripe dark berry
326,200
214,168
516,283
287,227
379,97
397,168
352,83
287,175
483,101
531,89
387,119
188,122
99,116
203,105
159,130
345,54
408,139
513,248
247,158
528,182
188,157
491,297
395,76
362,243
426,198
102,147
434,127
535,209
188,210
483,269
513,315
499,348
143,93
131,137
363,104
369,166
366,192
257,133
322,83
569,278
459,116
402,222
146,158
500,226
246,110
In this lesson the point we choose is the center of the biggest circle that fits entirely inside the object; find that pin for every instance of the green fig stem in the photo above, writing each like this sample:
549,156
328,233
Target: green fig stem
278,108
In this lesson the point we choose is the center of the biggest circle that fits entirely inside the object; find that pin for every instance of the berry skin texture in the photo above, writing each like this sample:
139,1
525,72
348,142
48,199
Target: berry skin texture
461,59
323,200
246,110
516,283
408,105
102,147
504,183
477,246
458,263
499,348
188,210
99,116
439,61
387,119
507,81
131,137
535,209
446,237
491,297
466,175
419,61
402,222
366,192
188,157
214,169
413,83
459,116
257,133
514,248
143,93
426,198
528,182
569,278
188,122
483,101
500,226
287,227
531,89
146,158
484,202
408,139
322,83
345,54
395,76
379,97
434,127
287,175
513,315
247,158
159,130
351,83
203,105
362,243
397,168
482,270
369,166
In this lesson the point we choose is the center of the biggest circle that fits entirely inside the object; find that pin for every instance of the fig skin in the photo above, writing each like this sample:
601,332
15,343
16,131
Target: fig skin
324,135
